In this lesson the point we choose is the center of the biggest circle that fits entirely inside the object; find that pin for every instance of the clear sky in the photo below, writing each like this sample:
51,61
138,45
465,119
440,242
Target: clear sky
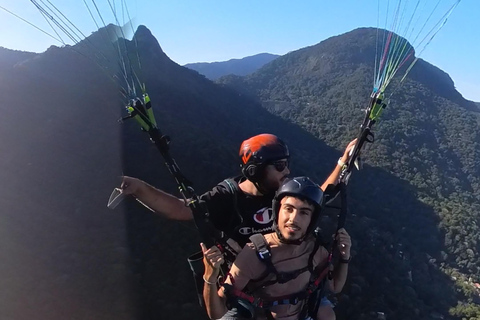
213,30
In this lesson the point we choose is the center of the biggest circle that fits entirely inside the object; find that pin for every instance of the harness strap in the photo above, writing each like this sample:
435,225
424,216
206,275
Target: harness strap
312,255
294,299
262,248
264,303
233,186
263,253
316,281
234,189
284,277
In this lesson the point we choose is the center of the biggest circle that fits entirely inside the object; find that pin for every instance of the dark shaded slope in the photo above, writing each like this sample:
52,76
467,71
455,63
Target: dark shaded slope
8,58
63,254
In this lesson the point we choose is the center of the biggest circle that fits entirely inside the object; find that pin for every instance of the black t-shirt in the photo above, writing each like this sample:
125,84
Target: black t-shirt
241,217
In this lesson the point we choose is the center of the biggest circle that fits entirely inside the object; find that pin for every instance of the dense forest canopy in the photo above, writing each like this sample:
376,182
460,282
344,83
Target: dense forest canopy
427,138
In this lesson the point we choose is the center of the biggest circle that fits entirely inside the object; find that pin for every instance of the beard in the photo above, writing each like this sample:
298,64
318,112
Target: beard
272,185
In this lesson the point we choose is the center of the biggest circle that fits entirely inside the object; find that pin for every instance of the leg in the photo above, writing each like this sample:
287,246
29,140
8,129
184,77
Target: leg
325,311
236,314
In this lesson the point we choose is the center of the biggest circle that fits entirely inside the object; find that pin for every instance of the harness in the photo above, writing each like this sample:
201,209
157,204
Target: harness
314,288
234,188
195,260
264,254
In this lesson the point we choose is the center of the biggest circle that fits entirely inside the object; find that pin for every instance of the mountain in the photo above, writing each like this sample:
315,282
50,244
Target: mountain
8,58
427,138
413,208
240,67
63,253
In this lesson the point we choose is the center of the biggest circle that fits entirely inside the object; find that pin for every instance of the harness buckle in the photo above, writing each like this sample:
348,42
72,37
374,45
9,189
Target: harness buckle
257,302
264,254
283,277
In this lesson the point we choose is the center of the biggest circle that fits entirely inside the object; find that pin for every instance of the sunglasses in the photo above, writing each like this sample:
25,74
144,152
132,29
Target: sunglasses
280,165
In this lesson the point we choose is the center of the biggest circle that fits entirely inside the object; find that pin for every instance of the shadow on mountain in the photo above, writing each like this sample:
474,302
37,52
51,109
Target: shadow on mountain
64,254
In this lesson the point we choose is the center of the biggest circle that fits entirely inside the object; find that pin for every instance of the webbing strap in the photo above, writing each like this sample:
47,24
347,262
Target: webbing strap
234,189
262,303
264,254
262,248
295,298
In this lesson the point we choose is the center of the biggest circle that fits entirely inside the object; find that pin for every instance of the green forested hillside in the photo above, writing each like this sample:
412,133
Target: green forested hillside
427,142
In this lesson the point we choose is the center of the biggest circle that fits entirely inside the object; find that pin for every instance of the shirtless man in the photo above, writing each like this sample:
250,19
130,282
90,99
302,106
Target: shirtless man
296,209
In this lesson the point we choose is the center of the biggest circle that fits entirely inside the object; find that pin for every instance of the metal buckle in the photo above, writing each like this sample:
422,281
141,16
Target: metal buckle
264,254
257,302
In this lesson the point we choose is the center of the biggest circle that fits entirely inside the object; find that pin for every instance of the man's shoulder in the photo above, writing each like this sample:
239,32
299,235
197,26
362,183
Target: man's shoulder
230,185
247,254
227,187
271,238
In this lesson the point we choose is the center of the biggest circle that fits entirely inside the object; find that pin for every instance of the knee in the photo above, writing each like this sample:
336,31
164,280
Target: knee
325,313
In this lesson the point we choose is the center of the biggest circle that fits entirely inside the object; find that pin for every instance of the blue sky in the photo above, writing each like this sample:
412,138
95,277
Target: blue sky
213,30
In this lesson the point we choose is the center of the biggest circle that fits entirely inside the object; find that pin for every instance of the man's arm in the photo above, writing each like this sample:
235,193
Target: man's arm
159,201
339,277
341,268
239,276
333,177
215,300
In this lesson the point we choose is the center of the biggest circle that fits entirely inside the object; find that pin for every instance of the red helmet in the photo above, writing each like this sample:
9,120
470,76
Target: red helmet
258,151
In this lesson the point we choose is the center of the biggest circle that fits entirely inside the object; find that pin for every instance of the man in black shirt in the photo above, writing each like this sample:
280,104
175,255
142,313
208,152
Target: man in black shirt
241,206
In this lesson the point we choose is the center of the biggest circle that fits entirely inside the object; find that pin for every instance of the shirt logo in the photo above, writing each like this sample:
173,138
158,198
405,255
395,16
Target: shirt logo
246,231
263,216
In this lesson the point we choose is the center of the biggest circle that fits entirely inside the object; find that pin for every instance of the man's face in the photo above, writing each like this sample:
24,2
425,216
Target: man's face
275,173
294,217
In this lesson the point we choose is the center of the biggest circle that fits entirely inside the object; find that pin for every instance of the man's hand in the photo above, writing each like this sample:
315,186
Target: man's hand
344,243
348,149
213,260
131,186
